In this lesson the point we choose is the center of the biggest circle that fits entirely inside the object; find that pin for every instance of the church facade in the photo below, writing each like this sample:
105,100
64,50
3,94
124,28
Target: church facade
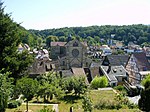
70,54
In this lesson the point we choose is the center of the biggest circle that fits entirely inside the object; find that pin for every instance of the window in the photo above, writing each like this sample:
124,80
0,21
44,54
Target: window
75,52
75,44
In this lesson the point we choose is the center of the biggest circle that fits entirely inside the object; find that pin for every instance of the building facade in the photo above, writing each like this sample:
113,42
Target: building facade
70,54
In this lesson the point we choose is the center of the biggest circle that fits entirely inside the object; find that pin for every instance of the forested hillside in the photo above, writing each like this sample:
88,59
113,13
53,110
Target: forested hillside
28,37
138,34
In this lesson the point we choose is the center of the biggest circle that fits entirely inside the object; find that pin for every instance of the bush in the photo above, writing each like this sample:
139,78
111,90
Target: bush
87,104
121,89
103,104
45,109
99,82
14,104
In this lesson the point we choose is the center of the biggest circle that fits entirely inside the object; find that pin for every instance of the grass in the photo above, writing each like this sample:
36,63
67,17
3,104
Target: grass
34,108
76,102
95,96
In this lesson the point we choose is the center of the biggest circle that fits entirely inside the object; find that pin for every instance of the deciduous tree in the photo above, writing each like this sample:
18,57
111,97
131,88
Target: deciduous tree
144,102
5,90
27,87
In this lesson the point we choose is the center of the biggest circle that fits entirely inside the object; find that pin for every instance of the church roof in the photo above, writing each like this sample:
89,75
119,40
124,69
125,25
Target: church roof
58,43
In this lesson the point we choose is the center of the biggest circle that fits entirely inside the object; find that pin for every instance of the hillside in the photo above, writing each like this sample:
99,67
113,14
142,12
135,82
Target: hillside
138,34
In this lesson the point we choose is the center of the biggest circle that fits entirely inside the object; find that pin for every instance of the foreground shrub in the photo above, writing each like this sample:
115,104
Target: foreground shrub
45,109
121,89
14,104
87,104
103,104
99,82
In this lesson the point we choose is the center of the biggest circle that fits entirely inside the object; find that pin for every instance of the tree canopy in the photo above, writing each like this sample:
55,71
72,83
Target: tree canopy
5,90
95,34
10,38
144,102
27,87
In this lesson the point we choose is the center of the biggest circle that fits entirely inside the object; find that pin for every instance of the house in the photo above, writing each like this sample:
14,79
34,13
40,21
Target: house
105,50
23,47
115,74
115,60
133,48
42,63
147,51
136,64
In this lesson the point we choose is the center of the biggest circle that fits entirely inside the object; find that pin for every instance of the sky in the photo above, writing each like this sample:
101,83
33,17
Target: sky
47,14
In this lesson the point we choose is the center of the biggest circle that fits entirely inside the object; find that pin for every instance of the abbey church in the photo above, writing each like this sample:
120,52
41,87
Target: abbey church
70,54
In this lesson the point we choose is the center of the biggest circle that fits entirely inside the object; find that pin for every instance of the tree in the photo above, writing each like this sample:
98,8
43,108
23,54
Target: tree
11,60
144,101
50,84
77,85
87,104
27,87
5,90
48,41
80,86
99,82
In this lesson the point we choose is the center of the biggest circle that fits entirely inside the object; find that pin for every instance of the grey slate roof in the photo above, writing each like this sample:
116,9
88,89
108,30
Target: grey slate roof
113,71
117,60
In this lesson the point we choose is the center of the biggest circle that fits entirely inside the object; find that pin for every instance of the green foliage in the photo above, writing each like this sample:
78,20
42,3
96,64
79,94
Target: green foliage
46,110
144,101
107,104
27,87
87,104
123,101
11,60
146,81
5,90
136,33
99,82
121,89
14,103
75,84
49,85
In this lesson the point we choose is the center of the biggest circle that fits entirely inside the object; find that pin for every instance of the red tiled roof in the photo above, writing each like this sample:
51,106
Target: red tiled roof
58,43
142,60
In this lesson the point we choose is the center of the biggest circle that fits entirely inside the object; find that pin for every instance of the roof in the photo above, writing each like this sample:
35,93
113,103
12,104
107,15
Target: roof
66,73
78,71
58,43
144,72
117,60
113,71
142,61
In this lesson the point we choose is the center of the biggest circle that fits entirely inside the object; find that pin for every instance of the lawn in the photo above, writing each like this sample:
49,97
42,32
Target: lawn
76,102
34,108
95,96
